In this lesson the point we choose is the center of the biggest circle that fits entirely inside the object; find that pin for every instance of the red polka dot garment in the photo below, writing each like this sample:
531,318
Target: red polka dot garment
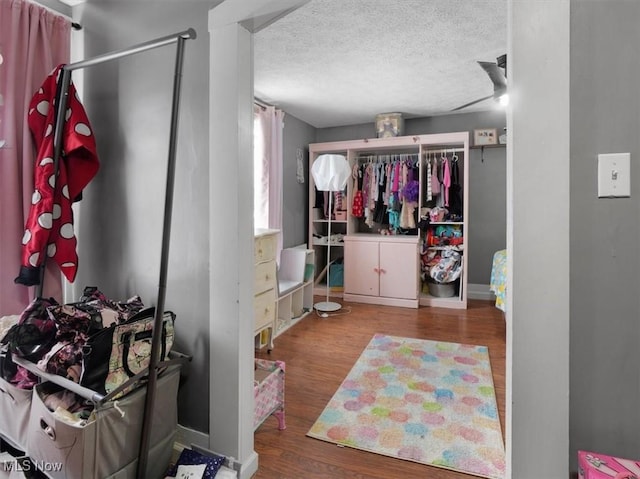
49,227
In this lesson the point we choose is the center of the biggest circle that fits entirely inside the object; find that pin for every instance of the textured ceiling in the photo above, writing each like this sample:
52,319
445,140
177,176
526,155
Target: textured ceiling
341,62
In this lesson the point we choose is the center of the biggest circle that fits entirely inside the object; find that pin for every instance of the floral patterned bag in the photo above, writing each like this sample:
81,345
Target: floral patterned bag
114,354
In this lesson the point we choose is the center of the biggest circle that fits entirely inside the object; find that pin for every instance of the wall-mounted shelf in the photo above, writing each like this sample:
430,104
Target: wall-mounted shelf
482,147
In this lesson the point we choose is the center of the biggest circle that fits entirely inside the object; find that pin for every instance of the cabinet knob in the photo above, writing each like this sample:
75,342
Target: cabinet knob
376,270
382,271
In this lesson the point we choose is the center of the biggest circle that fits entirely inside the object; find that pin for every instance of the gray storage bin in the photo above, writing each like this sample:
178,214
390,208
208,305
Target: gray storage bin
109,442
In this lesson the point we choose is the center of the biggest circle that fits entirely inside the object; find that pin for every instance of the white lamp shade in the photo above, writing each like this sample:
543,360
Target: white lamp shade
330,172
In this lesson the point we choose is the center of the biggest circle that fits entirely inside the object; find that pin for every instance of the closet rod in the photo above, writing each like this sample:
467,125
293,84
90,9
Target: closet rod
385,156
187,34
446,150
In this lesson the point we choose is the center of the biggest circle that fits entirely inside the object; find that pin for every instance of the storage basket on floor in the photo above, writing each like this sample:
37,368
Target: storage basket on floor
15,407
108,444
268,392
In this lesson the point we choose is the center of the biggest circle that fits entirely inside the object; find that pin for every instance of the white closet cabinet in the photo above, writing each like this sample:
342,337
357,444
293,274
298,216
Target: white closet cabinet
380,271
381,268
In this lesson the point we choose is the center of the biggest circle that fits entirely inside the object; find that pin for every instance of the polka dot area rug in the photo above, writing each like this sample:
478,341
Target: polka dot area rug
425,401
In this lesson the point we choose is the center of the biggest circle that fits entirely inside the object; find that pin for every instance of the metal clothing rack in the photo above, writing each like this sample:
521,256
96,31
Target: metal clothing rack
65,81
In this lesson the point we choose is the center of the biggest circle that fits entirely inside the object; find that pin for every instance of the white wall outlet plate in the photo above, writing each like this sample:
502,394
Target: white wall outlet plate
614,175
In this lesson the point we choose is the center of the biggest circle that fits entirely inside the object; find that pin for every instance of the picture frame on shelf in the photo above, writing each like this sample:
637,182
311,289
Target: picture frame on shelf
485,136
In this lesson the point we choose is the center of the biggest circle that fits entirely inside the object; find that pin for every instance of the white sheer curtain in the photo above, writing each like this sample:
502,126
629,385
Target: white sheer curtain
268,169
33,41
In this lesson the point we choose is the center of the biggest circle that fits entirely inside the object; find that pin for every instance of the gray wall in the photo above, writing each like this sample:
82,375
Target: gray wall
120,222
605,233
487,180
295,211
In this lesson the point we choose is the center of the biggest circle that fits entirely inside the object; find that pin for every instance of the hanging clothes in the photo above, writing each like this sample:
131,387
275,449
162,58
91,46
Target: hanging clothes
429,196
380,210
49,227
357,207
455,191
446,180
435,183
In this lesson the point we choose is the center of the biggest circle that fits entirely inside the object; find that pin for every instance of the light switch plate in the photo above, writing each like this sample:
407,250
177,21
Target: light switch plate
614,178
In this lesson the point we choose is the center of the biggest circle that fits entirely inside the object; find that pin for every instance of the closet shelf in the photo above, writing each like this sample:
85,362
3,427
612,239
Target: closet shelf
458,247
482,147
446,223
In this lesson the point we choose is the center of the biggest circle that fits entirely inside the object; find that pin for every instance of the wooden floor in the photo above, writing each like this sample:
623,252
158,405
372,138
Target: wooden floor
319,353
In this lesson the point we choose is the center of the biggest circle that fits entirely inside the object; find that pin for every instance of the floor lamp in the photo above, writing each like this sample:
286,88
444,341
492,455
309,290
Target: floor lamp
330,173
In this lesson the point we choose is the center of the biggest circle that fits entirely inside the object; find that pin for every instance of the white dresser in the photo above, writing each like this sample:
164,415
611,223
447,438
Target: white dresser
265,287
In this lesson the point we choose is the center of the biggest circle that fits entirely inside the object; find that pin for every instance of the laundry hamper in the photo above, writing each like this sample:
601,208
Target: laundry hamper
108,445
15,407
268,392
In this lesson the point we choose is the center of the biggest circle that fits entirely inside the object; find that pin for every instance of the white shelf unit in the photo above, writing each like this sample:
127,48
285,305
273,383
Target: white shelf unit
295,279
353,228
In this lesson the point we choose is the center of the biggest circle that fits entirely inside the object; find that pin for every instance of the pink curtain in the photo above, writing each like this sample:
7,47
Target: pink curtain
268,169
33,41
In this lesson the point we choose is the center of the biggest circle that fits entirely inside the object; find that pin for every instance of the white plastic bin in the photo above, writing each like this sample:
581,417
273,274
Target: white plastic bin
15,407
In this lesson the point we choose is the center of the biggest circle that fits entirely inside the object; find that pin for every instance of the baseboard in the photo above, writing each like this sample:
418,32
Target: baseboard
199,441
185,437
480,291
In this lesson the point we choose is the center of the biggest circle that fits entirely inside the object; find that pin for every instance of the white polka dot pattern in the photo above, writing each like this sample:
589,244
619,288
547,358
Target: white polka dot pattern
45,220
51,250
83,129
35,197
43,107
66,231
33,259
26,237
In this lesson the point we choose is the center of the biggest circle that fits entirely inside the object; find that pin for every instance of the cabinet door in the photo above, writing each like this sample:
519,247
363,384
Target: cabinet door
361,268
399,270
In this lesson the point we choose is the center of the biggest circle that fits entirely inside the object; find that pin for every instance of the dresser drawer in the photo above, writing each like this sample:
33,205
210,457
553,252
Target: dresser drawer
265,308
265,248
265,277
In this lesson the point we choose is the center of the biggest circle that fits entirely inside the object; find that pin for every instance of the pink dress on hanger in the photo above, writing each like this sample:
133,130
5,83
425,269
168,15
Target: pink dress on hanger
446,180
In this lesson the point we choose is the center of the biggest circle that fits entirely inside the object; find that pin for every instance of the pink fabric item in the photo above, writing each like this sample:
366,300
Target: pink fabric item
446,180
33,41
592,465
435,183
